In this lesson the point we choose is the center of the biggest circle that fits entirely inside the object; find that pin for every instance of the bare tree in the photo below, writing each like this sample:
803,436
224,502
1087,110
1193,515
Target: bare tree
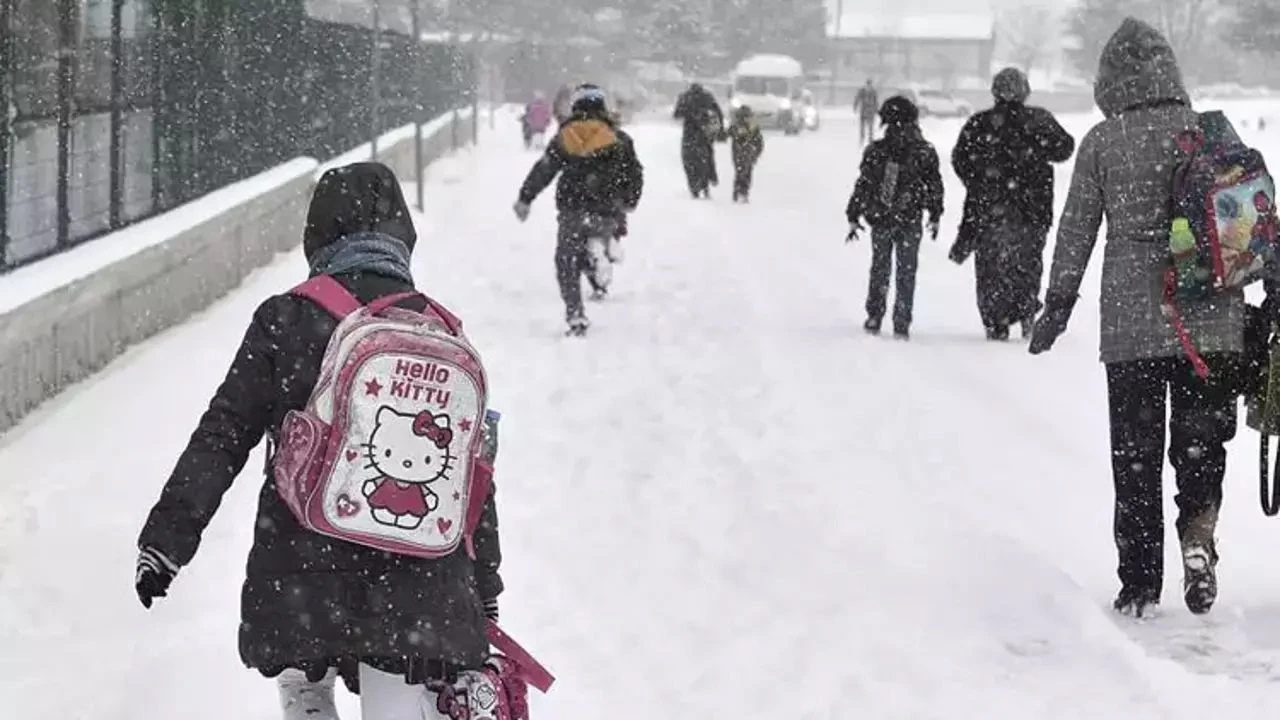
1031,33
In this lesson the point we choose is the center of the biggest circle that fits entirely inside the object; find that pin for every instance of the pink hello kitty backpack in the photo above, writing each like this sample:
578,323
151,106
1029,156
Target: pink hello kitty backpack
386,452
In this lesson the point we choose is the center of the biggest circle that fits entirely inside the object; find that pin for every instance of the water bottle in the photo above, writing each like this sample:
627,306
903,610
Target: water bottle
489,437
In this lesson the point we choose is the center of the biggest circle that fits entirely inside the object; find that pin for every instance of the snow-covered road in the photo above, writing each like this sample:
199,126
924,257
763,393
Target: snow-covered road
728,501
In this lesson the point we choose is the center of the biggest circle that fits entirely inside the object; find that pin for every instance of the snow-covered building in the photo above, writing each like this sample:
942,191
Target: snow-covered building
940,49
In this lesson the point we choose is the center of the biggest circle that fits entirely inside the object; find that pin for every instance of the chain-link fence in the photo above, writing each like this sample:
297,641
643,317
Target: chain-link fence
120,109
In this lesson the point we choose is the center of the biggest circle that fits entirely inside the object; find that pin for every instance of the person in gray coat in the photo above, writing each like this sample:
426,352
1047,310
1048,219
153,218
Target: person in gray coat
1124,171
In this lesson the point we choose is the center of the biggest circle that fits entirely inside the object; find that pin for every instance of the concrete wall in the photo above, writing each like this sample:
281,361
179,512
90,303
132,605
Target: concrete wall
81,309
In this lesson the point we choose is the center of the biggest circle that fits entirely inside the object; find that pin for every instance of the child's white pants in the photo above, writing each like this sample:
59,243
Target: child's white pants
383,696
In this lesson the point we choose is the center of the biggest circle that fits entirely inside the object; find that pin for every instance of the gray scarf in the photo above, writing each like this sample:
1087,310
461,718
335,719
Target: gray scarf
368,252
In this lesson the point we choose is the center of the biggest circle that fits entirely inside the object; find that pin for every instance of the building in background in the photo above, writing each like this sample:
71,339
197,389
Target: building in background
115,110
946,51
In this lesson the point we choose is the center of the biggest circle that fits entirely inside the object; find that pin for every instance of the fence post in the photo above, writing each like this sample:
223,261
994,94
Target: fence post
420,59
453,127
116,202
374,90
66,86
7,110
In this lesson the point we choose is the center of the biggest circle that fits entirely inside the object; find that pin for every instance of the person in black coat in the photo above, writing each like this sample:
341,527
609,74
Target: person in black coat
311,603
1004,158
866,104
703,123
601,180
899,182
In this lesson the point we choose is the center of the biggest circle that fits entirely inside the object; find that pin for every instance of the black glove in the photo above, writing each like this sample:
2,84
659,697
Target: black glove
155,572
855,227
1052,323
491,609
933,226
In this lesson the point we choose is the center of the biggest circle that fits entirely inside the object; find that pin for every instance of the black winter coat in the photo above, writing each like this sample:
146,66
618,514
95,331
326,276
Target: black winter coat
598,168
919,188
697,109
1003,157
746,143
310,601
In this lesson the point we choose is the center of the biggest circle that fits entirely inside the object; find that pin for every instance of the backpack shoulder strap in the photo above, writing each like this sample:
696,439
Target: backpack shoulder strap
329,294
451,321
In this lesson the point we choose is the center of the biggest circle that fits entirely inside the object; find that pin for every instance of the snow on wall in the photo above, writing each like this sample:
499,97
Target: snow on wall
63,318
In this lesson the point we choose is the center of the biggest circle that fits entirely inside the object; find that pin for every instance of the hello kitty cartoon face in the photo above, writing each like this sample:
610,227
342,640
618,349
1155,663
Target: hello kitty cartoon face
410,448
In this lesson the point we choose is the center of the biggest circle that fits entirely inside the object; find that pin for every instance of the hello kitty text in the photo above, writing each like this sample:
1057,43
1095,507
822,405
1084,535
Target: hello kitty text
416,381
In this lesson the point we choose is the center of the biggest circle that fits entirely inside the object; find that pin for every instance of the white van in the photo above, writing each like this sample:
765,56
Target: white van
770,85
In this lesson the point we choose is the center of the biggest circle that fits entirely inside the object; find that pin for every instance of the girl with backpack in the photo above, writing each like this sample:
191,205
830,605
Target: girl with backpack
314,605
1125,172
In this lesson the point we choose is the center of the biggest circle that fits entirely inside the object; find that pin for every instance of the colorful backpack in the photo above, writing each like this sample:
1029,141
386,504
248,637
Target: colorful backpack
1223,234
387,452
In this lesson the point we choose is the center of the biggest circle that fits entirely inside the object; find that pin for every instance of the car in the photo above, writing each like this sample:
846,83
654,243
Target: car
936,103
771,85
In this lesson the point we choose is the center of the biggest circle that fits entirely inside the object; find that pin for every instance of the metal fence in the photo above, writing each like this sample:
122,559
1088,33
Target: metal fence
119,109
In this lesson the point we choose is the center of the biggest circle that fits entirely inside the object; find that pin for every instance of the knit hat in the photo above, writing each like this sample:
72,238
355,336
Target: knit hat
898,110
1011,85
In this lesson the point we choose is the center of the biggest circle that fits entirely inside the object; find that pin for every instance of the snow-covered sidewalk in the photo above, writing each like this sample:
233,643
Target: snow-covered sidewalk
727,501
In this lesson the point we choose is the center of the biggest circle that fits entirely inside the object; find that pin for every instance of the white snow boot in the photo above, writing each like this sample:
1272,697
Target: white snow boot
598,265
301,699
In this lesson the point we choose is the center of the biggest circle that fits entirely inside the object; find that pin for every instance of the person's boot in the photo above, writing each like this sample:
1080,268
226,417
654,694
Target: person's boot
872,325
1137,602
998,333
1026,326
901,332
1199,563
578,325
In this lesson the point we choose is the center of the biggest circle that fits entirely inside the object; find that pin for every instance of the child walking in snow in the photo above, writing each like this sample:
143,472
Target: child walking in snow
314,606
898,182
746,143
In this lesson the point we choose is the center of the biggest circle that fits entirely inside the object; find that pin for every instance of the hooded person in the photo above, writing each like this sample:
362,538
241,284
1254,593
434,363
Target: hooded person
601,180
1004,158
899,185
703,121
1124,172
313,606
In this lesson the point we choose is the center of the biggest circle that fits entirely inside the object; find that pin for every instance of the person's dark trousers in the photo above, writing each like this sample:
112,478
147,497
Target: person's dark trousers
887,244
1027,270
1009,267
867,130
1202,420
573,259
571,262
742,173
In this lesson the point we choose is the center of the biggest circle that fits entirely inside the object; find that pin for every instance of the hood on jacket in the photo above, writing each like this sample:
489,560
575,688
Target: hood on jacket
1137,68
899,110
359,198
1011,85
587,135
